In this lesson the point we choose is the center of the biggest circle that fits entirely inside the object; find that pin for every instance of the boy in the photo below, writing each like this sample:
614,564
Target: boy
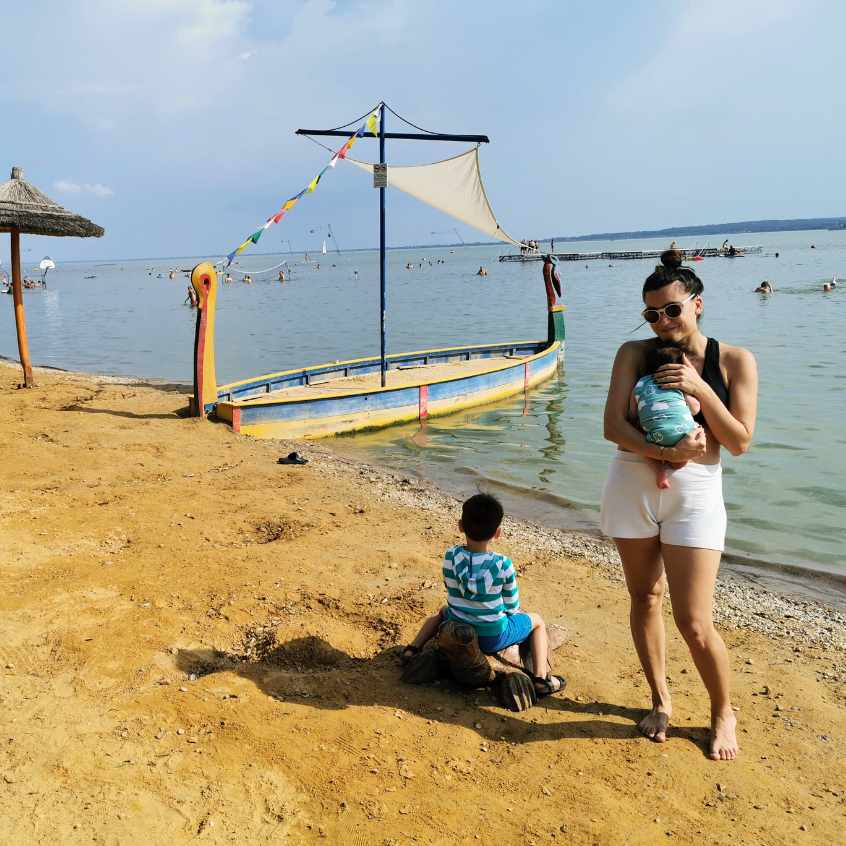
482,592
665,415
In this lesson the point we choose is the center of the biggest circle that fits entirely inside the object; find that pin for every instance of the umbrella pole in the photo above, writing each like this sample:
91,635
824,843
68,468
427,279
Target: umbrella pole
20,317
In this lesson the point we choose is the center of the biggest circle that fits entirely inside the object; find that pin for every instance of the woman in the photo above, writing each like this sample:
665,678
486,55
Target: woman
679,532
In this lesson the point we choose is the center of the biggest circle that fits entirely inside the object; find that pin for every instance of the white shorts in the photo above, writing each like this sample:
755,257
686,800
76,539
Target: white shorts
690,513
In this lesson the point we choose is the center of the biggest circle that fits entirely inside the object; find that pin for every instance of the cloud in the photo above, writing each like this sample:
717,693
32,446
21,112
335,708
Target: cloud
66,186
707,51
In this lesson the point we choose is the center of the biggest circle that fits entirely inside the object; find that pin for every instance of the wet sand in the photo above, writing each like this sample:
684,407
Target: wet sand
200,644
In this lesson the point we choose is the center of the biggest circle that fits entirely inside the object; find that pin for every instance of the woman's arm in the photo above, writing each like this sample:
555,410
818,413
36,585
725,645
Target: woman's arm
732,426
632,414
620,431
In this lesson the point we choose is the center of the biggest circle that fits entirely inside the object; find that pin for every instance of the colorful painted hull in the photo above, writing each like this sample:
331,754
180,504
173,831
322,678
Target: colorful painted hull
259,407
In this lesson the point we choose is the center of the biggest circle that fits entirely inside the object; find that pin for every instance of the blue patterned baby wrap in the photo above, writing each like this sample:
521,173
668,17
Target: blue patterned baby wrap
662,412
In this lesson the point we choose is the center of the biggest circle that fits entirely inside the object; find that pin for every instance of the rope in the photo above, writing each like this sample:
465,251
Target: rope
252,272
405,120
319,143
345,125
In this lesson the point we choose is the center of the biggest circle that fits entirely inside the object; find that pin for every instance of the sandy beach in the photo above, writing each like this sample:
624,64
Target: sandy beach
200,645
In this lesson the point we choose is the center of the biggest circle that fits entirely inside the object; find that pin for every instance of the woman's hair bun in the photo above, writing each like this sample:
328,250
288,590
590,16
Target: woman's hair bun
671,259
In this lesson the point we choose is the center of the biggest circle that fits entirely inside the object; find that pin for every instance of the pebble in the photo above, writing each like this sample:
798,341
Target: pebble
180,731
183,690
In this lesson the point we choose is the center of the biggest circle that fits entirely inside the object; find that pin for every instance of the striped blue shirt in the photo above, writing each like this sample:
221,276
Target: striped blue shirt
481,589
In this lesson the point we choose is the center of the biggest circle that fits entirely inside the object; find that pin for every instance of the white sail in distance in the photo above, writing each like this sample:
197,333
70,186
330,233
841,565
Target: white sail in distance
453,186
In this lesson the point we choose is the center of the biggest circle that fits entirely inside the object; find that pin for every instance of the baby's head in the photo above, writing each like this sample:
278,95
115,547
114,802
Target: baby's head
481,516
659,356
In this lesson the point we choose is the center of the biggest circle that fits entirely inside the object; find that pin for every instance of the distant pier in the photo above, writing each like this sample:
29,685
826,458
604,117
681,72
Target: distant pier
633,255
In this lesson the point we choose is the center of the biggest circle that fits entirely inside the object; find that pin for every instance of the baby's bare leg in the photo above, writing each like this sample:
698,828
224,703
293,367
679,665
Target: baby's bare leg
660,469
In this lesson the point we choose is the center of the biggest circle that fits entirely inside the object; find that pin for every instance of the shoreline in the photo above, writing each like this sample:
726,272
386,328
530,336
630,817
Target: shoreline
780,578
739,601
826,586
199,642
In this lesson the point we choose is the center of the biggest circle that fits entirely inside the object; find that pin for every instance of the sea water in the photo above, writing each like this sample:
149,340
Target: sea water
786,497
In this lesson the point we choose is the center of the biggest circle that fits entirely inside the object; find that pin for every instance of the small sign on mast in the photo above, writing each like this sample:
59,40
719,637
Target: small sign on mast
380,176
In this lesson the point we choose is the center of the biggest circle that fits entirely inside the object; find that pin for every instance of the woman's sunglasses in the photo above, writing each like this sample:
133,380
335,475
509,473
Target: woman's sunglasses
672,310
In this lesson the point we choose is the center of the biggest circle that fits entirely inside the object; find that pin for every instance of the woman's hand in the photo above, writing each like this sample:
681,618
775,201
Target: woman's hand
692,446
681,377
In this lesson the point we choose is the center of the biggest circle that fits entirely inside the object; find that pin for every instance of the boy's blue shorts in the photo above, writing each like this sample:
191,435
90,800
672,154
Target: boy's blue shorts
518,629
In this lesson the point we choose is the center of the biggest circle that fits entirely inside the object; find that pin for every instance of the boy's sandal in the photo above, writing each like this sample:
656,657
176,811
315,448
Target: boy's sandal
409,652
292,458
549,685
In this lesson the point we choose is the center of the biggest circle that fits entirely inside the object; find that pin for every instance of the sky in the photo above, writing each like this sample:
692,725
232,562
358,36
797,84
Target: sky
171,122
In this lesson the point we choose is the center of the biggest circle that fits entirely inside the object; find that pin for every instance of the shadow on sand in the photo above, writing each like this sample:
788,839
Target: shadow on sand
310,671
130,415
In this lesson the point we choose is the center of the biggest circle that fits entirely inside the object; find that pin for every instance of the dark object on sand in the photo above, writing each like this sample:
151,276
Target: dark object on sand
454,653
292,458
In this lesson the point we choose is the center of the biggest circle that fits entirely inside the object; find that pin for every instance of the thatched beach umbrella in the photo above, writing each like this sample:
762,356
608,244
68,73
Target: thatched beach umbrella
25,210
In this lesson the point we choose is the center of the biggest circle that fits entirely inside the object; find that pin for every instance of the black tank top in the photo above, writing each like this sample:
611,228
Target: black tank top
713,376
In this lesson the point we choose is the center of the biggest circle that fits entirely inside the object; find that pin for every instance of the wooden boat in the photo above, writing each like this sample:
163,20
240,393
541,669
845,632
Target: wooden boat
327,399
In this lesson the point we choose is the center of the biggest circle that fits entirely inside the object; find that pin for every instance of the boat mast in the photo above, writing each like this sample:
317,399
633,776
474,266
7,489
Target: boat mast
406,136
383,364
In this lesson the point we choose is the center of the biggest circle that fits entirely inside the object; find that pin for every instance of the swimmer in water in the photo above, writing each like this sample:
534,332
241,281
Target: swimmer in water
764,288
482,271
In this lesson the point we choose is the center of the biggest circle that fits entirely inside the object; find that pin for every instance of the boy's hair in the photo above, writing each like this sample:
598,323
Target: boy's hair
481,516
659,356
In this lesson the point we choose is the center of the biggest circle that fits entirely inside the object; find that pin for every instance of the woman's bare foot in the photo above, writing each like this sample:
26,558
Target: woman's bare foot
654,724
723,746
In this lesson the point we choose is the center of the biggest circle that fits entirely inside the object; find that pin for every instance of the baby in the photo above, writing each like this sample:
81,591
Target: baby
665,415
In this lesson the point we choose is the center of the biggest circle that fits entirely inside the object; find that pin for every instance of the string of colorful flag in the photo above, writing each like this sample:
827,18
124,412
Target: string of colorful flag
370,125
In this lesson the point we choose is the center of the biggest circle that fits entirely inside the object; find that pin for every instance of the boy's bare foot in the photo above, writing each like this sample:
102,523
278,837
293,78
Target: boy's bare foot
654,724
723,746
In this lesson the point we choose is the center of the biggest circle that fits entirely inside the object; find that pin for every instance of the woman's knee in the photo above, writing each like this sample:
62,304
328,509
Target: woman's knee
648,598
696,631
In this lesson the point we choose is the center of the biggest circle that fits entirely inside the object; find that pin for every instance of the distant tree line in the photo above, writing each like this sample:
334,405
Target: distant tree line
793,225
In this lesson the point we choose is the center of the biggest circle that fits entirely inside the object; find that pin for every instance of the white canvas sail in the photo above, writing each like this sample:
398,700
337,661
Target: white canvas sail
453,186
324,248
